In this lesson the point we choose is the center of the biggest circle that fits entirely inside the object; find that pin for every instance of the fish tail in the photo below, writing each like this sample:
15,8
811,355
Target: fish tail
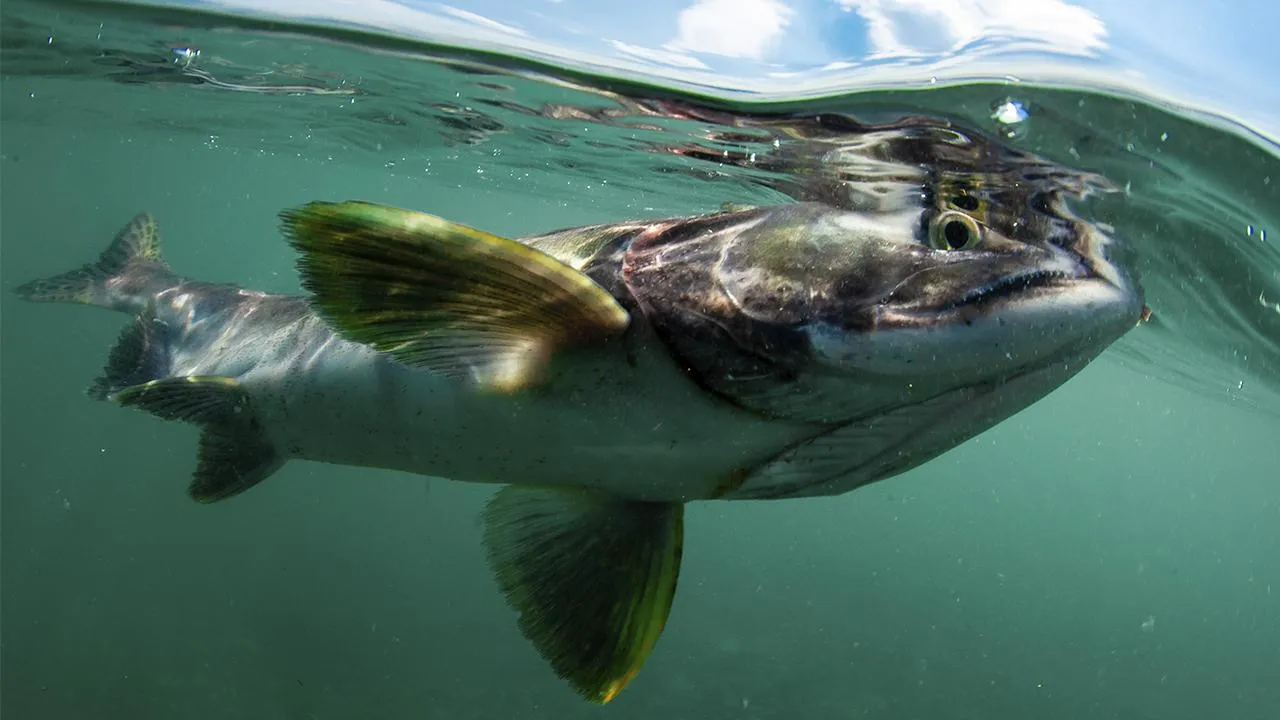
122,278
234,454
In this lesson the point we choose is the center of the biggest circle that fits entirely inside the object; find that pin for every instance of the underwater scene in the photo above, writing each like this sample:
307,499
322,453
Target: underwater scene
709,359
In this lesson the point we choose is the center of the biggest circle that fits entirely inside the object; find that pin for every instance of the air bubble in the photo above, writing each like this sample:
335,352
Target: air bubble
1012,117
184,56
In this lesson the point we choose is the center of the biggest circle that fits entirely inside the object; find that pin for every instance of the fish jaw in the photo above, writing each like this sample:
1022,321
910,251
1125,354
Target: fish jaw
1053,305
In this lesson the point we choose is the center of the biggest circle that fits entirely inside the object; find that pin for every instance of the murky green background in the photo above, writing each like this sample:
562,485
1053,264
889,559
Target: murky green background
1112,552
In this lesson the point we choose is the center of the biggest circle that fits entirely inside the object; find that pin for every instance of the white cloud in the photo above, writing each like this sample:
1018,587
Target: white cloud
386,15
481,20
661,57
732,28
913,28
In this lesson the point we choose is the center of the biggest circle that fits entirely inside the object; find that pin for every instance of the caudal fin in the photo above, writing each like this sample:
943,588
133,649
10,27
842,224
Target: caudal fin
119,277
234,453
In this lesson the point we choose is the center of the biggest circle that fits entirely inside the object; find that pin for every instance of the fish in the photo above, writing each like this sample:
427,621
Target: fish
606,376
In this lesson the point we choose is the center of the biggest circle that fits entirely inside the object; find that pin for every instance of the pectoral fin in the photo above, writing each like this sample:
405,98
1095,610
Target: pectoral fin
592,576
443,296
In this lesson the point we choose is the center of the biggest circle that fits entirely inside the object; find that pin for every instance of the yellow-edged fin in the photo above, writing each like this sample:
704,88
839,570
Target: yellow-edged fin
592,576
443,296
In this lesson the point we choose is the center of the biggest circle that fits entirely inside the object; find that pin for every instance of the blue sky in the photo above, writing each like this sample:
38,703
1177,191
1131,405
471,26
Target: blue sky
1216,57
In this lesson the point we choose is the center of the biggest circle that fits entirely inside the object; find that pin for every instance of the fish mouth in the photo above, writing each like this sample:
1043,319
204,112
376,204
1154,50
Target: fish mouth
991,330
1015,286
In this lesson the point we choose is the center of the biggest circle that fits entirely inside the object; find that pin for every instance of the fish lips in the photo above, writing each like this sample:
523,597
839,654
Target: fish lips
1007,319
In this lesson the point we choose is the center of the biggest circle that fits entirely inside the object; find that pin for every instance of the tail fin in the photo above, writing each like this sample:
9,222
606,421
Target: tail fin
234,453
136,247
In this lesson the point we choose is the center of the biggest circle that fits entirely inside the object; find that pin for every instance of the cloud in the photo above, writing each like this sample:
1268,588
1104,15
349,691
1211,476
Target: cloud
732,28
480,20
915,28
661,57
386,15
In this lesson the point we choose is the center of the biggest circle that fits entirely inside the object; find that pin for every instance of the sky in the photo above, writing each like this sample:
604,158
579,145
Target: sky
1213,57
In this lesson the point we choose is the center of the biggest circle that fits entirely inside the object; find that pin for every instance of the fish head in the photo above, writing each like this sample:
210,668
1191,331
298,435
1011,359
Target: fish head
946,314
956,294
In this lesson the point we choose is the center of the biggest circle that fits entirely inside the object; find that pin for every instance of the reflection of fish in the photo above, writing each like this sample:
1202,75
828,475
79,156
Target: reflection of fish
610,374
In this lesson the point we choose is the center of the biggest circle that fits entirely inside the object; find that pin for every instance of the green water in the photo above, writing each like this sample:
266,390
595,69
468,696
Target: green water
1111,552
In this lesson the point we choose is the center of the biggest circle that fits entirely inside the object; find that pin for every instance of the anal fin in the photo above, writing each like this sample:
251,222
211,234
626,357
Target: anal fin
234,453
233,458
592,576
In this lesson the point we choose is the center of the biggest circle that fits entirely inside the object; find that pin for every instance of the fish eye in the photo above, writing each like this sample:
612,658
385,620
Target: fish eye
954,231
